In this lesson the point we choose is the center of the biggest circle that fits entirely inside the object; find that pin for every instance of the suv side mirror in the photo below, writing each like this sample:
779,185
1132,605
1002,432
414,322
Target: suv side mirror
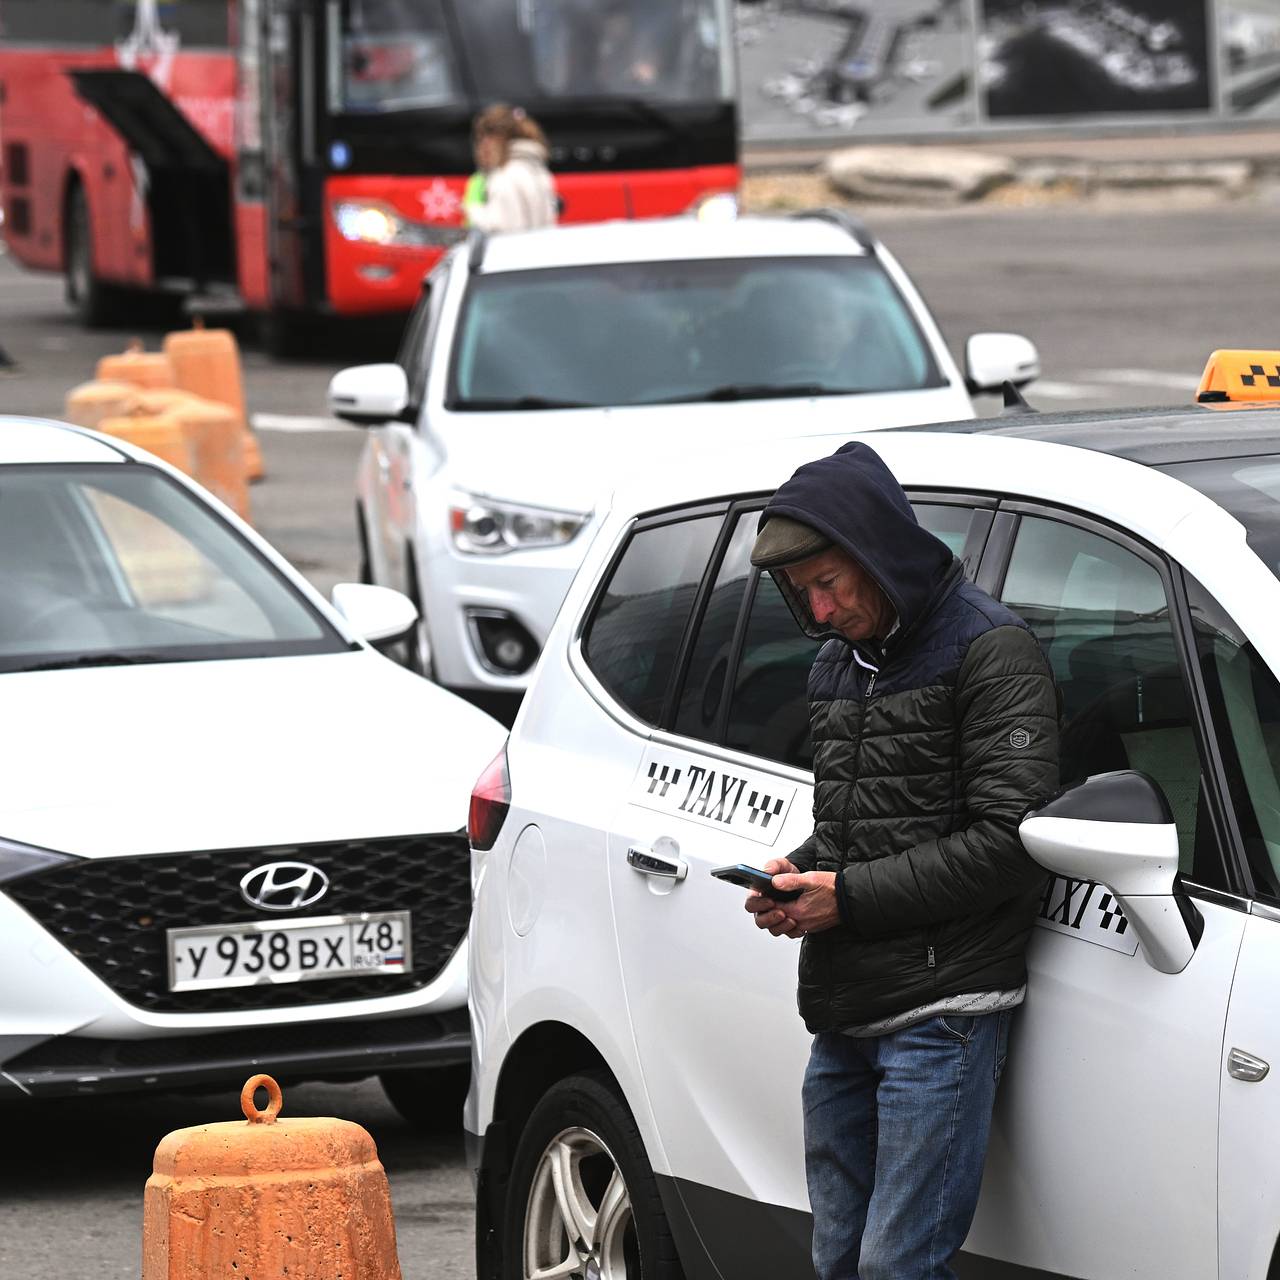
992,359
1117,829
369,395
379,615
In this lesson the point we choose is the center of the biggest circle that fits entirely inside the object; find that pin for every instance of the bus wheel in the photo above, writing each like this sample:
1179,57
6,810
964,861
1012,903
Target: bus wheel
94,303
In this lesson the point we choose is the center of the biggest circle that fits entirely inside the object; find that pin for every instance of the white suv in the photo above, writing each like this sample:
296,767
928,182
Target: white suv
635,1103
542,368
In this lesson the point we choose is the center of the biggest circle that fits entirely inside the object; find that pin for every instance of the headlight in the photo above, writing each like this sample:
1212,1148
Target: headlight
22,859
483,527
372,222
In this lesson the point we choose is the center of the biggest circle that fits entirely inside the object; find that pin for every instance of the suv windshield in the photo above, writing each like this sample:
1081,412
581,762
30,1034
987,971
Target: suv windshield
115,564
666,332
1247,487
399,54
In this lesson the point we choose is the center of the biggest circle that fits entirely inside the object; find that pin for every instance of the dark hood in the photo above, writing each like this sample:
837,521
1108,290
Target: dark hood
853,498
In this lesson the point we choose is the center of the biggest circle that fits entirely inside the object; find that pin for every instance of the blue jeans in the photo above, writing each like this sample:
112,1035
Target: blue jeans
895,1134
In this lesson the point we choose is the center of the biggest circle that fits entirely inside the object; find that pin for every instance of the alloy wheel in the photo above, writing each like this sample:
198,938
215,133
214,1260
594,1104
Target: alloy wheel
578,1220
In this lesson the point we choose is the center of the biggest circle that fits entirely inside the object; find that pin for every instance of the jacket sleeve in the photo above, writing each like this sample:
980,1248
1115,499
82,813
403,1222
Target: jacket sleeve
1007,711
805,858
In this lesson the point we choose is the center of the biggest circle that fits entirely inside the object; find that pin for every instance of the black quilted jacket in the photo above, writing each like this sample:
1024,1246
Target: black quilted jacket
927,753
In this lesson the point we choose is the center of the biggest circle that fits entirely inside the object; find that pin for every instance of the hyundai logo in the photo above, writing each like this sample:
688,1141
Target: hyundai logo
284,886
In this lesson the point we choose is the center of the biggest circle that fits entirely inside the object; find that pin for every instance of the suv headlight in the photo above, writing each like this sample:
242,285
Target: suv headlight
17,860
483,527
373,222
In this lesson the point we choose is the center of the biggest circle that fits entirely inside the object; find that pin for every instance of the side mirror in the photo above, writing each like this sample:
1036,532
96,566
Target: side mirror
992,359
369,395
1117,829
377,614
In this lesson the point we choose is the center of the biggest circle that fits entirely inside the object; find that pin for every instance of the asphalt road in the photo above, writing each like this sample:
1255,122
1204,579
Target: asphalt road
1125,304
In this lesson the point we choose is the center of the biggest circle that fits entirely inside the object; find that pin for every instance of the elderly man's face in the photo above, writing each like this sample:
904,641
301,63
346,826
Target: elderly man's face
843,595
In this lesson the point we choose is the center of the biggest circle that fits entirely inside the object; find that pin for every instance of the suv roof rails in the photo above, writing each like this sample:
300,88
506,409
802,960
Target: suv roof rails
849,223
477,243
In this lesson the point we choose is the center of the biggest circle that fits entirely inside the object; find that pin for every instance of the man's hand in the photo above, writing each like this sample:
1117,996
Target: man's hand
812,912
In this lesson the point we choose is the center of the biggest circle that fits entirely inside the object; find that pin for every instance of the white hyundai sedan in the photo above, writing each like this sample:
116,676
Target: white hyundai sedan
230,830
541,368
635,1106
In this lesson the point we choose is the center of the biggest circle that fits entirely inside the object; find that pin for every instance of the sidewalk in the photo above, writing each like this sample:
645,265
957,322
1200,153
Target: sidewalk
1012,169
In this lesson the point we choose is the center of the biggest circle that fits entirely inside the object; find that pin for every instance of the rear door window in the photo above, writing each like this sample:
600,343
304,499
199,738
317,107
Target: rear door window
633,638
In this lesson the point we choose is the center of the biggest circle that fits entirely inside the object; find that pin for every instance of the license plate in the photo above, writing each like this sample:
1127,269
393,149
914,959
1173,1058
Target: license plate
245,955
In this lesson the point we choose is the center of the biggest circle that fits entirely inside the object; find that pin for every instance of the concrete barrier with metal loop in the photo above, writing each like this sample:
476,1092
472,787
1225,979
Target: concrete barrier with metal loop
307,1199
216,437
207,362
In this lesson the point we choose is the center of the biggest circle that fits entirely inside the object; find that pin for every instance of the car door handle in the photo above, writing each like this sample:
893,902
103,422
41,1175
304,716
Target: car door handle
648,863
1244,1066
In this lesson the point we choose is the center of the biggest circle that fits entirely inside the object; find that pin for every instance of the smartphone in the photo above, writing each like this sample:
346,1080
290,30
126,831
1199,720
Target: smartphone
753,878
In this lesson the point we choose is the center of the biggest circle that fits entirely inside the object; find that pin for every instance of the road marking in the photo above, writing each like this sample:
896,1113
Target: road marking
295,422
1145,378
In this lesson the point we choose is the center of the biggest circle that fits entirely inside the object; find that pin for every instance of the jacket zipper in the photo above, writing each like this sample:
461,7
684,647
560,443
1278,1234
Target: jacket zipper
932,961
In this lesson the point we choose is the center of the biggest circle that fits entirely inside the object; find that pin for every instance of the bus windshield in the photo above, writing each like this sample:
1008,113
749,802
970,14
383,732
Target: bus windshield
401,55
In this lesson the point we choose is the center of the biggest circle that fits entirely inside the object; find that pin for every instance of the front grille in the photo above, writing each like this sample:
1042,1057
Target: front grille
112,913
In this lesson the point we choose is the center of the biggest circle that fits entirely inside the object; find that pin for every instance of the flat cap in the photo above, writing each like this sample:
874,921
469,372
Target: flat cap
783,541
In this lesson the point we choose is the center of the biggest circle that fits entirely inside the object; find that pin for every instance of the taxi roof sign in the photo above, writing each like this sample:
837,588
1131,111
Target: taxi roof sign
1236,377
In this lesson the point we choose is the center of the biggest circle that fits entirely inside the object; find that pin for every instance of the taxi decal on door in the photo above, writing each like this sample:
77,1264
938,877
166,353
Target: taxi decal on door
1087,910
750,804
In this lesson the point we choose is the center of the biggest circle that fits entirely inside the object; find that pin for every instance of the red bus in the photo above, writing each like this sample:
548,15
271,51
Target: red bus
232,148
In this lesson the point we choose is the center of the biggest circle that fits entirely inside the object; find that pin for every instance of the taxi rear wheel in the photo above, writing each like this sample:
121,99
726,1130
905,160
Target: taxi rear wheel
583,1200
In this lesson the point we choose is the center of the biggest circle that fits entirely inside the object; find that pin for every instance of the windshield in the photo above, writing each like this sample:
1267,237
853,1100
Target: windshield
1247,487
401,54
655,332
117,563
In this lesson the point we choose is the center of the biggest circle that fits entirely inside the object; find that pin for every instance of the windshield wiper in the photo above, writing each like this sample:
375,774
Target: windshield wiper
102,660
758,391
499,404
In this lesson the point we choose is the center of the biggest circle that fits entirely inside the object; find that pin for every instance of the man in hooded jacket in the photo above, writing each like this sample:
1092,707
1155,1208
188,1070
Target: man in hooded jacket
934,721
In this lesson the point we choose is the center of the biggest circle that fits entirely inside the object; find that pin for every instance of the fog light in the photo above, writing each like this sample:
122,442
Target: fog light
502,643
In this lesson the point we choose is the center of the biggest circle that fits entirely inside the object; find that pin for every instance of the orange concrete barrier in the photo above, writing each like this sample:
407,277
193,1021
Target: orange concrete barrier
141,368
216,437
91,402
161,434
269,1198
207,362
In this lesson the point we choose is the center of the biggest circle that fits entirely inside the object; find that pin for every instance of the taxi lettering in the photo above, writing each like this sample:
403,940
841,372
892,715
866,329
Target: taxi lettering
1087,910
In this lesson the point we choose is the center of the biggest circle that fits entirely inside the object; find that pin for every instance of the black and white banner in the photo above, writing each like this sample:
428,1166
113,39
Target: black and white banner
747,803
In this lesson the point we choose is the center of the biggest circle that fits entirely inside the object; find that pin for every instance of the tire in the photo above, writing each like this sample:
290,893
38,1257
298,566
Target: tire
362,544
95,304
581,1126
418,651
429,1098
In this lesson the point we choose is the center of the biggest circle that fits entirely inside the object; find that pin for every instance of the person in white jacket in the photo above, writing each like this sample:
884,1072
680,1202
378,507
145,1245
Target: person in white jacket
519,193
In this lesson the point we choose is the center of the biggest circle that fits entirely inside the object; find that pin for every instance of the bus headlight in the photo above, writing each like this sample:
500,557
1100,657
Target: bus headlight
373,222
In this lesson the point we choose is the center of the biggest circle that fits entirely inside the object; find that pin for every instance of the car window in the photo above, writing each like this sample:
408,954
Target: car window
1102,616
114,562
653,332
1244,703
944,521
769,710
633,637
697,712
414,356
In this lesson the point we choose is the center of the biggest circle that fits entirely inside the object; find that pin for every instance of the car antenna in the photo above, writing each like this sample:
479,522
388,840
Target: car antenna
1014,402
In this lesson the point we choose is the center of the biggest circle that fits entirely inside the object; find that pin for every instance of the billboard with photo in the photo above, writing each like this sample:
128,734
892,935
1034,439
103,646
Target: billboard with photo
835,69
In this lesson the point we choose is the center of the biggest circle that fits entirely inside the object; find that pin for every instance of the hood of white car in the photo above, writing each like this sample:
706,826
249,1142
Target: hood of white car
566,458
108,761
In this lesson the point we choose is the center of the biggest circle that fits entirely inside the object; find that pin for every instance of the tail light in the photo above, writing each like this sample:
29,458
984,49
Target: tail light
490,801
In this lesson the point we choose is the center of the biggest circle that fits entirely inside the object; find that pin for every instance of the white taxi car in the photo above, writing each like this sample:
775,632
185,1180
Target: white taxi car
541,366
635,1103
230,831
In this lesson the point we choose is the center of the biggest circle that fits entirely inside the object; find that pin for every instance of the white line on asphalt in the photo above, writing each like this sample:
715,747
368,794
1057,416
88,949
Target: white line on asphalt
1145,378
295,422
1066,390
